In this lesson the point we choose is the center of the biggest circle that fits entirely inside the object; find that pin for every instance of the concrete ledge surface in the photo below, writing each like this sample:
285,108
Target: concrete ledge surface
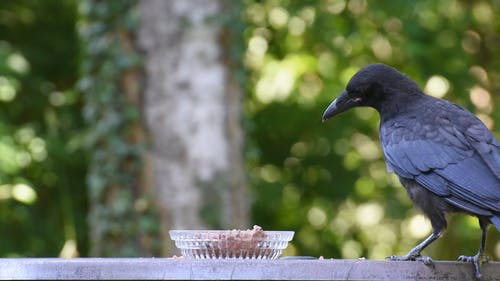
281,269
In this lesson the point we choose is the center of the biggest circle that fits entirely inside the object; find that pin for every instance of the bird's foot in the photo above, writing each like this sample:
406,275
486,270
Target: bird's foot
476,260
412,257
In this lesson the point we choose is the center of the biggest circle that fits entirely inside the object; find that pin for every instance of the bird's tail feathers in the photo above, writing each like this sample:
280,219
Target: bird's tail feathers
495,220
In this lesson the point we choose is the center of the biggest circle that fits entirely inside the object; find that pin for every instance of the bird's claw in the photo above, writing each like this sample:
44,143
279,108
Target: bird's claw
476,260
426,260
471,259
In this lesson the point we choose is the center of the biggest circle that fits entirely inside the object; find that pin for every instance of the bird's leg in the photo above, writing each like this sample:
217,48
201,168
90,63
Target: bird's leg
478,258
414,254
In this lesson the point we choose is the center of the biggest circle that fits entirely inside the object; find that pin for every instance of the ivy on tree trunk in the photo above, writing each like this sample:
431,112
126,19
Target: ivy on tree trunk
122,220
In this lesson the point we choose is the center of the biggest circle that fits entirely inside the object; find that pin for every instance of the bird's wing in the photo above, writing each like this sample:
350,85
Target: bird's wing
453,155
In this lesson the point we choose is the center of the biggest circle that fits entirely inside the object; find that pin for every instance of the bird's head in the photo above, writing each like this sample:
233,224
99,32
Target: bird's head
370,86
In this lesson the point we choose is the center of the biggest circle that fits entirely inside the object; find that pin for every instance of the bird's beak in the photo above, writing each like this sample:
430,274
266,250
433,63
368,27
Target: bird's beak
339,105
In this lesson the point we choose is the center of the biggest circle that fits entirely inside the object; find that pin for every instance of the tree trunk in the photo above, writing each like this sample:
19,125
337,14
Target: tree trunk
192,108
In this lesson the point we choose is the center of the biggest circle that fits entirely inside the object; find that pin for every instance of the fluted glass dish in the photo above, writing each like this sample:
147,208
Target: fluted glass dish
231,244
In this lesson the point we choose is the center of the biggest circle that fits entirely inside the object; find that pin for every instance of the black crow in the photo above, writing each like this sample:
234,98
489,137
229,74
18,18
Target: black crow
445,157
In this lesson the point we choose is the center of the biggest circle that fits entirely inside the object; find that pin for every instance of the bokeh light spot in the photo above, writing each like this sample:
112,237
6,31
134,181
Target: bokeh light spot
437,86
364,186
308,14
24,193
270,173
23,159
278,17
357,7
335,6
480,97
369,214
352,160
7,90
291,194
366,147
418,226
37,149
471,42
296,26
351,249
57,98
480,74
276,83
381,47
483,13
257,45
327,64
18,63
256,13
316,217
299,149
310,87
393,25
5,191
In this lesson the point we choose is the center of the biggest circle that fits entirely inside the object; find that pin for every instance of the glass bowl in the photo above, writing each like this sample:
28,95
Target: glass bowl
231,244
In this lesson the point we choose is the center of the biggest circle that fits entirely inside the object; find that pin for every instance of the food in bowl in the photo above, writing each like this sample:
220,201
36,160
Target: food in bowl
231,244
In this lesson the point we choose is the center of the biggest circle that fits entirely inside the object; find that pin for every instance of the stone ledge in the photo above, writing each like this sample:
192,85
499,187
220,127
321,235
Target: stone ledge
184,269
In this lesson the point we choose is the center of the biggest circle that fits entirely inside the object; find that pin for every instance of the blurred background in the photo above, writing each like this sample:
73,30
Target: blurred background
121,120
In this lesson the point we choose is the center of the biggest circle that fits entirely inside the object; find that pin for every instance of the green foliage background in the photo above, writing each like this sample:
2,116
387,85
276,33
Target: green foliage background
42,164
326,181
